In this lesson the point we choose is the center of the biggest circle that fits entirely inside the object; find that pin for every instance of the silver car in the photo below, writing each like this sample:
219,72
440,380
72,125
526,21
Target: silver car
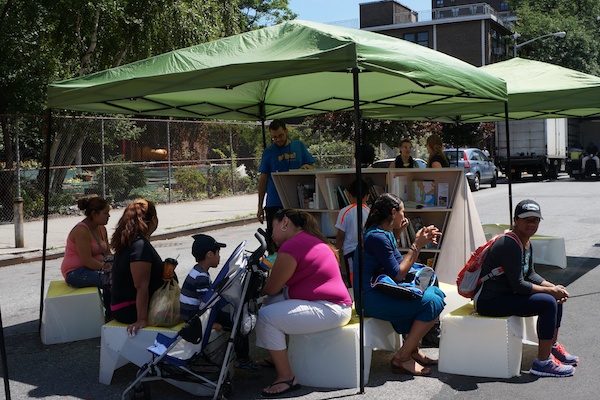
479,168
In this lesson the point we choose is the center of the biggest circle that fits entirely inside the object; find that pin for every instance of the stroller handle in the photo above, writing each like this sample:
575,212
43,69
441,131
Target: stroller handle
260,235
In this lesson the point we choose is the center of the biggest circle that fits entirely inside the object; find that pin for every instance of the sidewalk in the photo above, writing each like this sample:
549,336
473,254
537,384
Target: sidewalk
173,220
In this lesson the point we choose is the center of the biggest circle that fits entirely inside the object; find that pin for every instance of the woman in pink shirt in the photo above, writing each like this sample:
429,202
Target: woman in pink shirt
87,244
306,292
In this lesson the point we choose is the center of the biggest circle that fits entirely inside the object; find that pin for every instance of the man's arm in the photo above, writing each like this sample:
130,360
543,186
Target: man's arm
262,189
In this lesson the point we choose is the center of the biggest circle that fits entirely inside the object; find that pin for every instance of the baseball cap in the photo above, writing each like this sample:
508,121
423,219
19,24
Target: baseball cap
528,208
203,244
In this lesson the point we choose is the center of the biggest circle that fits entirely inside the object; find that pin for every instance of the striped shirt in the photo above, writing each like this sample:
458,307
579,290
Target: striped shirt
194,288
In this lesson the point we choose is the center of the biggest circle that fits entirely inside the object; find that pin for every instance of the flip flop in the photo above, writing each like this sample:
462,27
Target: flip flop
291,388
265,363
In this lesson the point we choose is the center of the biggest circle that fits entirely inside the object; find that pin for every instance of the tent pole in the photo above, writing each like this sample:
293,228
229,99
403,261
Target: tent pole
359,195
46,206
262,122
508,167
4,360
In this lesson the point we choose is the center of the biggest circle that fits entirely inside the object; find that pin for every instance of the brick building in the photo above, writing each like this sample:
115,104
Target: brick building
472,31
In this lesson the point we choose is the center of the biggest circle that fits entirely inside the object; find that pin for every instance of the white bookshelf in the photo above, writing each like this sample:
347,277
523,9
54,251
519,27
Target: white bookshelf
458,219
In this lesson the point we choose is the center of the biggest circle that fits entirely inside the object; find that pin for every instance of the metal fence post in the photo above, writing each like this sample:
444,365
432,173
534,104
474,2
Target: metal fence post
18,200
231,161
169,160
103,163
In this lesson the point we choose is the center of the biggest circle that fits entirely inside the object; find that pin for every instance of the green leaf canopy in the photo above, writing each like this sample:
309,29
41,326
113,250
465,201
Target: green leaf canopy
292,69
536,90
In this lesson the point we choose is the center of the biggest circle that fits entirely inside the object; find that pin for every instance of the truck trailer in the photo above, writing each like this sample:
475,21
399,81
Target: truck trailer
537,147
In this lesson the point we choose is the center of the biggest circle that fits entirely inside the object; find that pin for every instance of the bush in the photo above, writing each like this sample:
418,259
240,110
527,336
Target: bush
190,181
120,179
220,179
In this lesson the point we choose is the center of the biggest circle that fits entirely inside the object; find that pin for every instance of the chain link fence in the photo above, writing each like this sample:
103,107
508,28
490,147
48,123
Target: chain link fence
122,159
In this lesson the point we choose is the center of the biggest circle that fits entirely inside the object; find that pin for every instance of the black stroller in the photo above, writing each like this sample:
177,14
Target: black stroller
198,360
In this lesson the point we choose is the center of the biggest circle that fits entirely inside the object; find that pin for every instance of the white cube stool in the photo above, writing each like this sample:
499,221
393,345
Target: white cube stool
331,359
118,349
71,314
474,345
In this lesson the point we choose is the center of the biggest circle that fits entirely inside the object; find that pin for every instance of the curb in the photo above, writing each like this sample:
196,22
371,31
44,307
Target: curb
36,255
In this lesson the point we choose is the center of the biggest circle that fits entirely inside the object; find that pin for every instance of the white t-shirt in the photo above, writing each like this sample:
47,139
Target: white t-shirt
346,222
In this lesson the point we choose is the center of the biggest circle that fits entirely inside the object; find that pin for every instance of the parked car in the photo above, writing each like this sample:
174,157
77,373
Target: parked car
479,168
385,163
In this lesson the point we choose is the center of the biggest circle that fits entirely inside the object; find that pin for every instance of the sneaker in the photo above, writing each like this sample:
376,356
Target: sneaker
247,365
550,368
558,351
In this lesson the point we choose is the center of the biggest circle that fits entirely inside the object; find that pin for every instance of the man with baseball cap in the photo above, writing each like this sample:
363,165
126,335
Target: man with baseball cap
520,291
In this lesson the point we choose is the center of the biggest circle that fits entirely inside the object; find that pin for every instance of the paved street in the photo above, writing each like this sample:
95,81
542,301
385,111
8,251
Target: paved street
70,371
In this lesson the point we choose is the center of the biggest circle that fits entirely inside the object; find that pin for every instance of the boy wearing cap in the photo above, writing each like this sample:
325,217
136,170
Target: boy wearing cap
521,291
206,251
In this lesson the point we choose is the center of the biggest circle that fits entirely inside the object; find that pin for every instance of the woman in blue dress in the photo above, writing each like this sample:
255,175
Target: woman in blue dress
412,317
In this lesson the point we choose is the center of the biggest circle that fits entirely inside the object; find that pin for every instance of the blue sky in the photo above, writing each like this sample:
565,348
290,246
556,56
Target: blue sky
339,10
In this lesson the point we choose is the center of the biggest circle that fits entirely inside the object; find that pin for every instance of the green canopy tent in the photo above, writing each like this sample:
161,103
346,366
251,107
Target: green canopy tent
536,90
287,70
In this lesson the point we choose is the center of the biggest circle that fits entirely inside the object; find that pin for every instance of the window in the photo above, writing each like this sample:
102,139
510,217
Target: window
421,38
504,6
439,3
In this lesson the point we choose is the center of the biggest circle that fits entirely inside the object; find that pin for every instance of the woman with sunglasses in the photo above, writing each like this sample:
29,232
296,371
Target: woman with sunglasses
306,292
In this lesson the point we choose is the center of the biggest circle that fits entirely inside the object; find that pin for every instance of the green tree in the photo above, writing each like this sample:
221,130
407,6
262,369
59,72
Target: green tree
579,50
260,13
340,126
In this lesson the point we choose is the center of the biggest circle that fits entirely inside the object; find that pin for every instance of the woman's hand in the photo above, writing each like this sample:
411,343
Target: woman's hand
559,292
133,329
426,235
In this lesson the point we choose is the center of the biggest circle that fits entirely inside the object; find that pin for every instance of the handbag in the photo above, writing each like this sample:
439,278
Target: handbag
164,305
416,281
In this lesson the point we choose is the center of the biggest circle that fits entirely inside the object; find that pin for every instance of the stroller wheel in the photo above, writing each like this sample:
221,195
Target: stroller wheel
140,392
226,390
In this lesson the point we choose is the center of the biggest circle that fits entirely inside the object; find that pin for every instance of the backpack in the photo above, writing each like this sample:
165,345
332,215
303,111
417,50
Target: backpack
416,281
469,280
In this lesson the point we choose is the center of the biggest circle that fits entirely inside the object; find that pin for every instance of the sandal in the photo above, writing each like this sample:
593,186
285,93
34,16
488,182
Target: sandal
399,369
423,359
291,388
265,363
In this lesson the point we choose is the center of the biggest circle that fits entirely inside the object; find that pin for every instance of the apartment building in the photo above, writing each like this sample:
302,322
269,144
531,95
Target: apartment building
472,31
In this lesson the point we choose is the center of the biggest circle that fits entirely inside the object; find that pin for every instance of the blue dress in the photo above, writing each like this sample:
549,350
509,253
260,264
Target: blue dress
380,252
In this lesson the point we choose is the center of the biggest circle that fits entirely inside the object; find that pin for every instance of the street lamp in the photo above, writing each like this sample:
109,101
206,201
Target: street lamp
515,36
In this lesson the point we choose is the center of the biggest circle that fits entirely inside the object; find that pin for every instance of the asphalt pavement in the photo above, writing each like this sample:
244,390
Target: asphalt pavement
70,370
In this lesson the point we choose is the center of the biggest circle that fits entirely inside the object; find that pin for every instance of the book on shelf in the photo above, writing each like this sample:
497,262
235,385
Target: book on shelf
341,197
423,191
400,187
404,239
305,195
410,230
332,194
374,191
417,223
442,194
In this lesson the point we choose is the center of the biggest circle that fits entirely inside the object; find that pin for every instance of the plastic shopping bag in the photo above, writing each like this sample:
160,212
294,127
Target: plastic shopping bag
164,305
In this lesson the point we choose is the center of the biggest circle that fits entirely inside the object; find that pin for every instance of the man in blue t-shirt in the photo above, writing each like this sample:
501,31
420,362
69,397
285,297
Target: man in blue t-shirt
281,156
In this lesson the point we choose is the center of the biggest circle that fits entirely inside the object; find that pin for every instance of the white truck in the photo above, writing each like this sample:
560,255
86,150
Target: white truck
537,147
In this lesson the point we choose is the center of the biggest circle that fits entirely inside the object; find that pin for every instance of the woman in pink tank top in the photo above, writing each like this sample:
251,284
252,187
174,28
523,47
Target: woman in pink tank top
87,244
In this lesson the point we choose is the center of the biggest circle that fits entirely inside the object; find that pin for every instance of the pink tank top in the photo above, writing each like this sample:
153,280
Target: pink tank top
72,261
